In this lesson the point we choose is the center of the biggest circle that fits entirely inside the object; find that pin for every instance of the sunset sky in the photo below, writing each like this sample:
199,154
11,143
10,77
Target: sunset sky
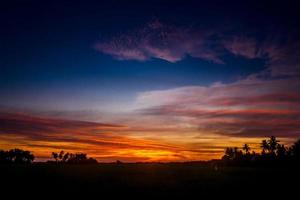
148,80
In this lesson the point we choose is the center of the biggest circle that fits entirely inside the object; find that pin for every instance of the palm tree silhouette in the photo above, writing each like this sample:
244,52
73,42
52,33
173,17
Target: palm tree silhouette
246,148
265,146
273,144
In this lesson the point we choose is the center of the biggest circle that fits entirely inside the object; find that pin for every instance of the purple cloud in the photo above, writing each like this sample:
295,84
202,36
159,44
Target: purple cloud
282,57
247,108
242,46
174,43
157,40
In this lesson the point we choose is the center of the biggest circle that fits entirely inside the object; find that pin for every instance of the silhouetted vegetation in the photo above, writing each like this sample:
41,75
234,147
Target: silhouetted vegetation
17,156
271,152
240,170
70,158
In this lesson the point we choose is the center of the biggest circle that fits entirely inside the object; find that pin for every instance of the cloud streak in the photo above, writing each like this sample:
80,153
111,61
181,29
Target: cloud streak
158,40
175,43
242,46
281,55
106,142
247,108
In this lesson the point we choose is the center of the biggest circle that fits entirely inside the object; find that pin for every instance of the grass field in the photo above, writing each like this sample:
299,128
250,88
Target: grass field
154,180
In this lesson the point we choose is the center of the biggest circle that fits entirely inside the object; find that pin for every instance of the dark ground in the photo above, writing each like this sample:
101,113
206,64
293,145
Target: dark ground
187,180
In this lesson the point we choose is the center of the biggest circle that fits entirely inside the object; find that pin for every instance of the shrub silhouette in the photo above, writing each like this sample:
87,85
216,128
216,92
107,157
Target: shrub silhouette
295,149
17,156
55,156
78,158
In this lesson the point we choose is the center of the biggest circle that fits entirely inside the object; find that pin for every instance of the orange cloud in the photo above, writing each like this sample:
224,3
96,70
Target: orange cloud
102,141
247,108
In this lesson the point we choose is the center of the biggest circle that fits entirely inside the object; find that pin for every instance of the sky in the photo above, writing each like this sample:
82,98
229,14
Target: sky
144,81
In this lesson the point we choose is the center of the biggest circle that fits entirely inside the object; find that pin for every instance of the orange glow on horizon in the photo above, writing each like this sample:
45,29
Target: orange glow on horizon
108,143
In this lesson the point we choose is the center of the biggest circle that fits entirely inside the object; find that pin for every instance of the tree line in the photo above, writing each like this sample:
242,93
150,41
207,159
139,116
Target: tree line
78,158
271,151
19,156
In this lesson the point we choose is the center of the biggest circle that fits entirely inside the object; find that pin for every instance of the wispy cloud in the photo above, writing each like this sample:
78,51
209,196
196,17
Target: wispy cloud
284,57
281,55
158,40
107,142
174,43
247,108
242,46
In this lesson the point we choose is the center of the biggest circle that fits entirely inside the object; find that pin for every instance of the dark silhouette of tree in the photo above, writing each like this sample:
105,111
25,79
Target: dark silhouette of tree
273,144
55,156
17,156
272,153
229,154
238,154
5,157
78,158
265,146
119,162
281,151
232,153
61,155
295,150
20,156
246,148
65,157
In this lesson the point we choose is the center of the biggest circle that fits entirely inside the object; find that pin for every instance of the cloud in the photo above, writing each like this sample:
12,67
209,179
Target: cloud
284,58
158,40
247,108
281,55
242,46
107,142
30,125
174,43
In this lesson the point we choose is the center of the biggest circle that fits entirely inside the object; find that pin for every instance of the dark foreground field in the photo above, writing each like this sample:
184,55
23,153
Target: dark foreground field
147,180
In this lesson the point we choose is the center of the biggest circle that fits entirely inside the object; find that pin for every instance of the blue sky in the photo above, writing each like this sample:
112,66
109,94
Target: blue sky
47,50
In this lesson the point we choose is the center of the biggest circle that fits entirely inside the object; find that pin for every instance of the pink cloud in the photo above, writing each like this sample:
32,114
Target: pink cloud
157,40
174,43
282,57
247,108
100,140
38,127
243,46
